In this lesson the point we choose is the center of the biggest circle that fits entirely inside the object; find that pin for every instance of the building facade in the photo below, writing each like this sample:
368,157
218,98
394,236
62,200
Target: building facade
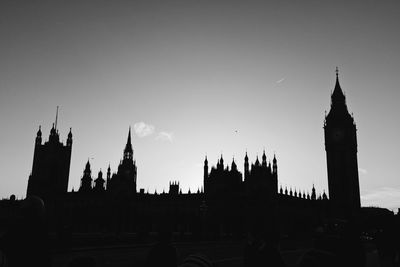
228,203
51,164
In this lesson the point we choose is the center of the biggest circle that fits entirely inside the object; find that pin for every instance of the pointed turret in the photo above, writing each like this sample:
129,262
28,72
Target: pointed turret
53,135
246,167
109,171
99,183
108,177
338,97
324,196
69,139
86,181
233,165
338,113
39,136
264,159
313,194
274,165
205,172
128,151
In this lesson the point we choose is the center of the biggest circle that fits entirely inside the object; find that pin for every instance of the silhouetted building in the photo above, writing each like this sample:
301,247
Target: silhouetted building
173,188
51,164
259,180
341,155
222,182
123,183
228,204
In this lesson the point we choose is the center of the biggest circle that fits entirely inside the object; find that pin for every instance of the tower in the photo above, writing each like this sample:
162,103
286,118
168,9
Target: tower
246,167
341,155
124,182
99,183
51,164
86,180
205,174
108,176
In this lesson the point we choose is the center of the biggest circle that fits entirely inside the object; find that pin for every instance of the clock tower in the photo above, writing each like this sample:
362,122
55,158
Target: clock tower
341,155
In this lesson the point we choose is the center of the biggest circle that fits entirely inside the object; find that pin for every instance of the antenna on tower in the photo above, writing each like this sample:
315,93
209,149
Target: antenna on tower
55,125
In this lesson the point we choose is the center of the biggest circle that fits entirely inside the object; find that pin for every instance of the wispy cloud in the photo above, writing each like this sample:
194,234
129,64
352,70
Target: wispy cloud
386,197
142,129
165,136
280,80
362,171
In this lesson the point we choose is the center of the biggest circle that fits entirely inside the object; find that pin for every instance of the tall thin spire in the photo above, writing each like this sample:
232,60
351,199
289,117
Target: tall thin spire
338,97
55,124
128,151
129,136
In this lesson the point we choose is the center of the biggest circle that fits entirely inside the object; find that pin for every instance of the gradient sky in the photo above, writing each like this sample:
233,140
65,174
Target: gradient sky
189,74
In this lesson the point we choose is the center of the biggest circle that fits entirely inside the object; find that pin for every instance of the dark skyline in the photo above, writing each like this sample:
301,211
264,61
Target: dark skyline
200,78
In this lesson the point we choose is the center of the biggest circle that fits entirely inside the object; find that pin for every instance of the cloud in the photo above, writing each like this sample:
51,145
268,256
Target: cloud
281,80
142,129
386,197
362,171
165,136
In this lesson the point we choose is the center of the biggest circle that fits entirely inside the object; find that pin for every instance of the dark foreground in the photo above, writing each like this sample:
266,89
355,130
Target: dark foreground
221,253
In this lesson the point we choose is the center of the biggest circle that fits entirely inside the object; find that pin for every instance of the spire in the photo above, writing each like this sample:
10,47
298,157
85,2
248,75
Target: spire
87,167
128,151
205,161
53,130
313,194
338,95
69,139
39,132
39,136
324,196
55,124
233,166
264,159
54,137
129,136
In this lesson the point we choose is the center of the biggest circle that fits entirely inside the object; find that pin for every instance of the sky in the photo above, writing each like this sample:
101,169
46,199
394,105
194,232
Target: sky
195,78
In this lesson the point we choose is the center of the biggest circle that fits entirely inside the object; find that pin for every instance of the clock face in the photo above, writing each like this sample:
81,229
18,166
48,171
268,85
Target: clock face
338,135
